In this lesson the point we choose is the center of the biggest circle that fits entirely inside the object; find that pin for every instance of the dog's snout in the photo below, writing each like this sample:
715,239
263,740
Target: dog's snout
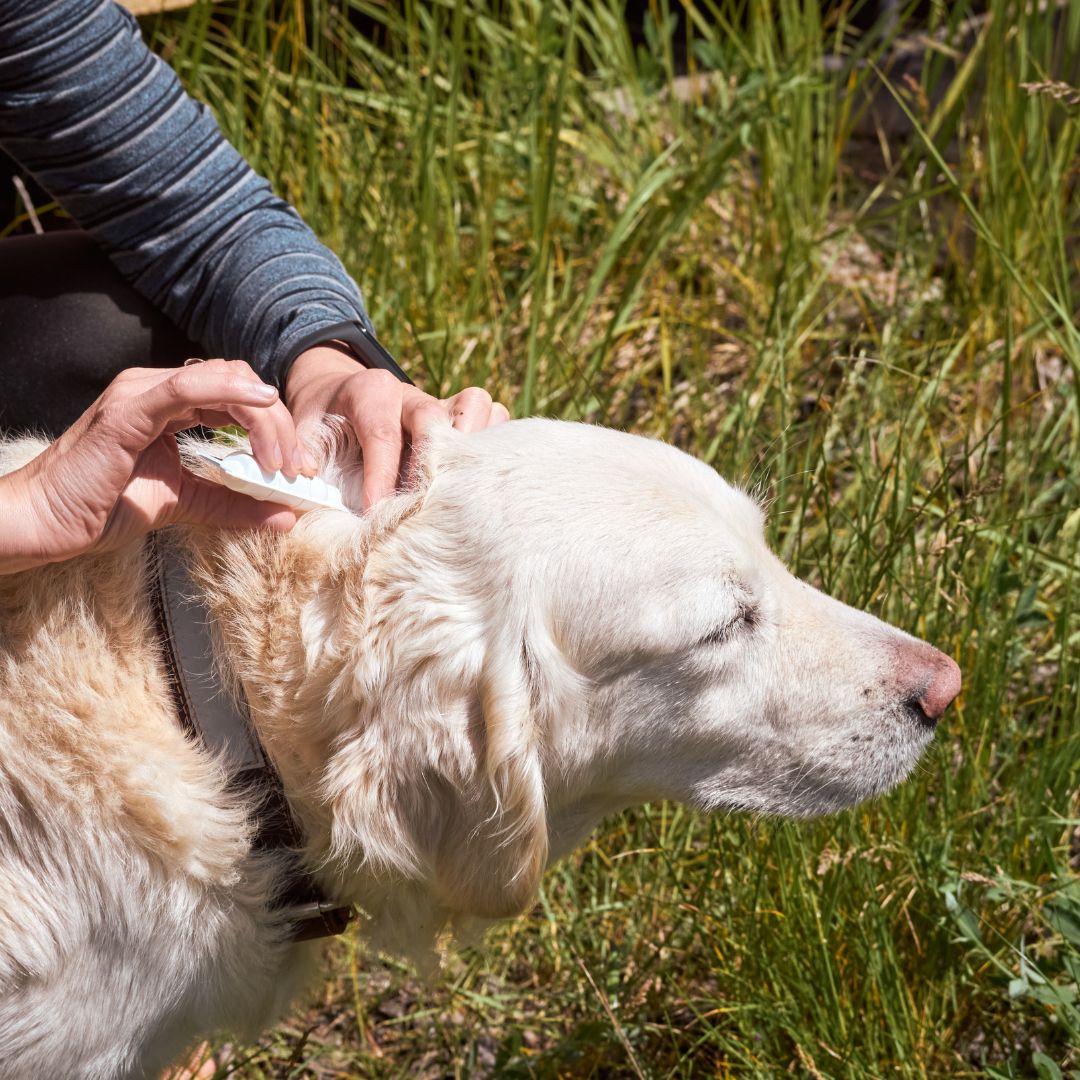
930,679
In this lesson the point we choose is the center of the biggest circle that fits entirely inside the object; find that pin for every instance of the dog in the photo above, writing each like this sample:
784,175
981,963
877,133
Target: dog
552,622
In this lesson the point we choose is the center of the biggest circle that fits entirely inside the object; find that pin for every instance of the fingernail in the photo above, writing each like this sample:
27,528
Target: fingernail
264,391
310,464
276,460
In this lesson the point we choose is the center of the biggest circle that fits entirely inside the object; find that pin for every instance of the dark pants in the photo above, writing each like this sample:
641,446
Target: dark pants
68,324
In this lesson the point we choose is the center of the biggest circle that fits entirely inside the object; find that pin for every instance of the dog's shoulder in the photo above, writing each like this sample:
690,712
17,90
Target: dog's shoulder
123,855
87,723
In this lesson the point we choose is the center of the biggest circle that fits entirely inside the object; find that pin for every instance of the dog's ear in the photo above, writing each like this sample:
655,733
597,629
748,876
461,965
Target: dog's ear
493,851
441,786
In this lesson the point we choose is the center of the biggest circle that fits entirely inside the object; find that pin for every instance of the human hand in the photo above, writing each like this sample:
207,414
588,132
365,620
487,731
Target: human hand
388,416
116,472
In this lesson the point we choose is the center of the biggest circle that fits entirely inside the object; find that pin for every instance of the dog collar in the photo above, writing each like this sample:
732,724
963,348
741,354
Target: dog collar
211,717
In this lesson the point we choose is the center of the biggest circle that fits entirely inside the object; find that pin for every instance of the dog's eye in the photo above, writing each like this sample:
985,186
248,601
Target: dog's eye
746,617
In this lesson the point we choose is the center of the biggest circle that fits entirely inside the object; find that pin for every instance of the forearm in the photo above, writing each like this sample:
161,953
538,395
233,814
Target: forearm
106,127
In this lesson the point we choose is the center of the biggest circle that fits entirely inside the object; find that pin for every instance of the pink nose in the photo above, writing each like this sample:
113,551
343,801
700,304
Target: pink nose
930,679
942,689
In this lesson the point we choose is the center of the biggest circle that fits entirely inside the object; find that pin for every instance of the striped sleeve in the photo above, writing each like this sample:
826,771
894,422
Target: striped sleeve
106,128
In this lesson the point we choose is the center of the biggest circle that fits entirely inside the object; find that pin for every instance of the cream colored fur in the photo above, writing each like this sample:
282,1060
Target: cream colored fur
553,623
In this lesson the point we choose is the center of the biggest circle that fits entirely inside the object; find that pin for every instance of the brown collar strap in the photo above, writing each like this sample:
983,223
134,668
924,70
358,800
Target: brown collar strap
211,717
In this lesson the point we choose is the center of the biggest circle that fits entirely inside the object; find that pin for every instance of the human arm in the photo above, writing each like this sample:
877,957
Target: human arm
116,472
107,129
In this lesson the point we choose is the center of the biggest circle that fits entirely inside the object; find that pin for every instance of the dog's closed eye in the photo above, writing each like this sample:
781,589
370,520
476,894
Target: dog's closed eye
745,618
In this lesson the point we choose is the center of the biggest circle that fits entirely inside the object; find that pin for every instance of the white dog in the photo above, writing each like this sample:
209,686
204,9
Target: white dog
554,623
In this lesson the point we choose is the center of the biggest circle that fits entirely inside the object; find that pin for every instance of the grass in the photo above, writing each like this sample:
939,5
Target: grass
878,328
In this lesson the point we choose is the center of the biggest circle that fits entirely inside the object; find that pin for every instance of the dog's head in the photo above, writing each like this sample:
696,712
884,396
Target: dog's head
564,621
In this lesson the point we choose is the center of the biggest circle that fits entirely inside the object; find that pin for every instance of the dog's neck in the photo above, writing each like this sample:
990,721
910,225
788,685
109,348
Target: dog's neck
257,589
418,780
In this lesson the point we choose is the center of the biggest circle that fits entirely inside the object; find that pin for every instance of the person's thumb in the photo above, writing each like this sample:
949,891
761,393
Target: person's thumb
204,503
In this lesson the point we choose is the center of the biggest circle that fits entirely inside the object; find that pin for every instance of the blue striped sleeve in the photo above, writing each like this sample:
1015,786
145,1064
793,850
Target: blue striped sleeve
106,128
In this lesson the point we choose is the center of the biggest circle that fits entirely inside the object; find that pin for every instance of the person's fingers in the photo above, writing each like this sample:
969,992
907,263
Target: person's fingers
213,393
218,391
382,450
115,472
271,431
307,422
205,503
272,436
134,380
207,418
500,414
470,410
419,412
292,450
373,407
217,385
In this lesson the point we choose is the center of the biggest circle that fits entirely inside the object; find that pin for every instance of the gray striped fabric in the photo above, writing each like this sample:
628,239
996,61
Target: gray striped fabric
106,128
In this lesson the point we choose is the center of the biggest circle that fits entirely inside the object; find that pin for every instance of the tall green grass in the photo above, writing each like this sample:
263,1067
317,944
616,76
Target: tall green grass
876,328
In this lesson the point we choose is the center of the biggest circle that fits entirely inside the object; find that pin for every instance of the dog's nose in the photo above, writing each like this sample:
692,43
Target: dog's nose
933,679
943,687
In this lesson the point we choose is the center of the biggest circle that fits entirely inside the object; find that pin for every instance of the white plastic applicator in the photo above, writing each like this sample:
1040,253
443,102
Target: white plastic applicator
241,472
